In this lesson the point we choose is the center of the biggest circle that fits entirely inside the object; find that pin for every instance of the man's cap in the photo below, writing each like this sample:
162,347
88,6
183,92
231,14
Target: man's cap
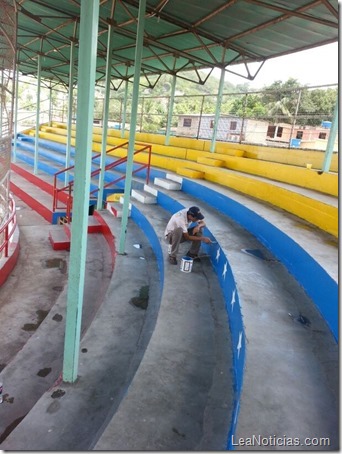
196,213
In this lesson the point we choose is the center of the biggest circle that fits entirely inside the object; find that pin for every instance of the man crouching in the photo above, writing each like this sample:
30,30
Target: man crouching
177,231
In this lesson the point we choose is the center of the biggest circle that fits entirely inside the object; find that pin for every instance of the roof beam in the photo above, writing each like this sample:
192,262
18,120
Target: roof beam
185,27
284,17
295,13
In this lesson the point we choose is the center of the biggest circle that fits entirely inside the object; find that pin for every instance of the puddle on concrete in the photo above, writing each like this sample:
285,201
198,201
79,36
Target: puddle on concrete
57,394
57,263
57,318
2,366
53,407
44,372
84,350
33,326
58,288
141,301
8,399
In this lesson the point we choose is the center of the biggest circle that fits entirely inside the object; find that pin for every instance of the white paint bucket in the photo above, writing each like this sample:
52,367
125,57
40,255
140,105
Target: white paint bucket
186,264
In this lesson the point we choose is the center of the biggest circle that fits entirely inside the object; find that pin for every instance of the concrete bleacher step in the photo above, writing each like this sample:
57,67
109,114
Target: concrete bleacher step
174,177
33,192
94,226
60,235
210,161
59,238
115,207
167,184
144,196
190,173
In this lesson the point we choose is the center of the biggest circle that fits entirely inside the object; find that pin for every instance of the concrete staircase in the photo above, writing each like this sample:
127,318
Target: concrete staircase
147,195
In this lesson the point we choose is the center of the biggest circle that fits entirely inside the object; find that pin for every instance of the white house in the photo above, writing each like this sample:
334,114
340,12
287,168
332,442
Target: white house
230,128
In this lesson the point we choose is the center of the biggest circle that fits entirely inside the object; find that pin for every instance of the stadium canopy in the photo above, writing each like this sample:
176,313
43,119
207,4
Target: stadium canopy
179,35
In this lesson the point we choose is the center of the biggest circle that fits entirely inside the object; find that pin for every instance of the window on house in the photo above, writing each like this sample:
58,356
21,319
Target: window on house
322,135
187,122
212,124
233,125
279,131
271,131
299,135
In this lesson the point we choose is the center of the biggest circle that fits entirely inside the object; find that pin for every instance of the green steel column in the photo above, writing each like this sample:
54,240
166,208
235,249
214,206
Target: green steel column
14,159
36,143
50,105
218,110
169,117
105,117
70,103
133,124
123,123
142,115
85,111
331,141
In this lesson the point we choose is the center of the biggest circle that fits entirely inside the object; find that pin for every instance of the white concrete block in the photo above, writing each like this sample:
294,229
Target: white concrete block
168,184
143,197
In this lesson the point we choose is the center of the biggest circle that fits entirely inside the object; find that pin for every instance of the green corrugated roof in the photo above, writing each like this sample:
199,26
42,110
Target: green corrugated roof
179,35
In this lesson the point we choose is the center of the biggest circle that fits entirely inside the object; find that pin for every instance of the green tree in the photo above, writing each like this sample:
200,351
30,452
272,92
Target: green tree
280,99
316,106
248,105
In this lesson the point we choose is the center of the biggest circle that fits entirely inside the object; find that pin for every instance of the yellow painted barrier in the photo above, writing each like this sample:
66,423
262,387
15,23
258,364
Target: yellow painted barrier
258,152
171,151
273,154
326,183
315,212
299,176
211,161
115,197
191,173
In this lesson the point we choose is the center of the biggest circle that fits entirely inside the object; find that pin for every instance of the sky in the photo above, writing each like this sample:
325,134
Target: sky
318,66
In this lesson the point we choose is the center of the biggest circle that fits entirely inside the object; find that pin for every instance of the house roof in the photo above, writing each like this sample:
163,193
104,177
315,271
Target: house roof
180,36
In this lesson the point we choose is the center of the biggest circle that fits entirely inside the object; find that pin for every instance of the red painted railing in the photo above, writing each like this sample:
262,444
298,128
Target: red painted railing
62,197
8,228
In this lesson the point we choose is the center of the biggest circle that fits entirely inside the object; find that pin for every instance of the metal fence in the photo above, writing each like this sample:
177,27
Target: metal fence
295,117
299,117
